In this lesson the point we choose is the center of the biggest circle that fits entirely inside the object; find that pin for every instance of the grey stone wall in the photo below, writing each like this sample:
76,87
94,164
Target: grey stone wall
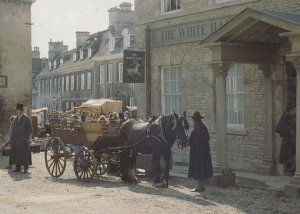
15,57
245,147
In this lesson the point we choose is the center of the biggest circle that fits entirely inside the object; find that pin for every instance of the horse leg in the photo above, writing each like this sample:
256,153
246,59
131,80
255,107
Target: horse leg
124,166
157,172
167,156
132,168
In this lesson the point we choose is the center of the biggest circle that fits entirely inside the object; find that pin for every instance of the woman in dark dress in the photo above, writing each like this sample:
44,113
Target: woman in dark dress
200,166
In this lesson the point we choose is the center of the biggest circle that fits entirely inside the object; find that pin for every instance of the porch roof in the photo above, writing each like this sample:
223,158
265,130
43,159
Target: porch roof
256,26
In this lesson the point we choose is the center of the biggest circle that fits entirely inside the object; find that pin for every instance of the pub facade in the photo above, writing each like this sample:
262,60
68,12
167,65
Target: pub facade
235,61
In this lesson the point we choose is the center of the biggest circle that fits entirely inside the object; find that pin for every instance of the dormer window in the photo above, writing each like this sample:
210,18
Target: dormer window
90,52
50,65
54,64
61,61
127,38
81,54
112,42
170,5
74,57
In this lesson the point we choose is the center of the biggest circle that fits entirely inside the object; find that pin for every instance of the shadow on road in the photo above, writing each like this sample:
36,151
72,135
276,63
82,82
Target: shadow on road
115,182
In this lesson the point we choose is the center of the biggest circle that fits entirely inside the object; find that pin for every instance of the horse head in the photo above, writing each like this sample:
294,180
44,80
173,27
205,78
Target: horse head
174,128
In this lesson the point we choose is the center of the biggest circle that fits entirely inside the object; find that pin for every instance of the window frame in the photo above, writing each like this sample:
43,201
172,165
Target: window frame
67,83
111,44
102,74
163,7
72,81
5,80
89,80
235,74
171,94
109,75
82,81
120,74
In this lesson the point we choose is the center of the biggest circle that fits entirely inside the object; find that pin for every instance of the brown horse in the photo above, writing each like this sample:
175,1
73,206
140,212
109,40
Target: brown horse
155,138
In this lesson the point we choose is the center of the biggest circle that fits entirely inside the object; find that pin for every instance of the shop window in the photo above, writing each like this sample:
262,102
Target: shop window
170,5
102,74
235,97
120,72
89,80
3,82
171,89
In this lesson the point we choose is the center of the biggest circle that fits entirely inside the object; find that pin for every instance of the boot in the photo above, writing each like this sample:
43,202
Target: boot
18,169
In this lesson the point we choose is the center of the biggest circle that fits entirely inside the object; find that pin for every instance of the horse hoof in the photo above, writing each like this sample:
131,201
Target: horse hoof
159,185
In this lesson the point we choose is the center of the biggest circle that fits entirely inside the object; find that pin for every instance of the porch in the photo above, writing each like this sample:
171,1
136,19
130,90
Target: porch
264,39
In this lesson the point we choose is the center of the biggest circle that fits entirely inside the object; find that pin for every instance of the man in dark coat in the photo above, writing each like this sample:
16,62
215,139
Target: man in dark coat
286,127
200,166
20,136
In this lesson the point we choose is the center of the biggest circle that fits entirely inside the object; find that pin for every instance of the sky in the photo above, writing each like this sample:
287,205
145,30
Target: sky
60,19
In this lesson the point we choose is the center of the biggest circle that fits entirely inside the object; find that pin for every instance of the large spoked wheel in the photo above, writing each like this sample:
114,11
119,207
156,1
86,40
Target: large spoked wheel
55,157
102,165
85,165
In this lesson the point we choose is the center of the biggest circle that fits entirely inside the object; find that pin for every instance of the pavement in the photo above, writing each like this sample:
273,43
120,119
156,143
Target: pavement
245,179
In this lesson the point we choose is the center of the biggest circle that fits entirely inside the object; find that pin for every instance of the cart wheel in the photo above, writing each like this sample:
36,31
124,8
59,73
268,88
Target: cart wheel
85,165
55,157
102,165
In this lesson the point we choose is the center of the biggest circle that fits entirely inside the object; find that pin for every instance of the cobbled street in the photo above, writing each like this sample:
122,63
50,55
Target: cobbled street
37,192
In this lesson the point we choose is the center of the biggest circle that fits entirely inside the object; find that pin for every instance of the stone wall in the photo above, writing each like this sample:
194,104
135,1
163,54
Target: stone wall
245,147
15,57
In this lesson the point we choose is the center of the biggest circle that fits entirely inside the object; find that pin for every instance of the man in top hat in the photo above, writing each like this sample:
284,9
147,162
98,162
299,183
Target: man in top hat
20,136
200,166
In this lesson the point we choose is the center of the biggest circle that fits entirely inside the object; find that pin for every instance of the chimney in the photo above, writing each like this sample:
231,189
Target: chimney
126,6
81,37
55,49
121,16
36,53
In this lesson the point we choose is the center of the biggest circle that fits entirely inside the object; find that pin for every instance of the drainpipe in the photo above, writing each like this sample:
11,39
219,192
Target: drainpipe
148,71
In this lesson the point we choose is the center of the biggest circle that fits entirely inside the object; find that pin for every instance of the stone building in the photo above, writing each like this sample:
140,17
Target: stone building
94,69
15,58
233,60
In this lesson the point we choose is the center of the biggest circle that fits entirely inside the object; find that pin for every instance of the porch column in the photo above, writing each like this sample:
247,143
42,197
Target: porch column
221,71
268,167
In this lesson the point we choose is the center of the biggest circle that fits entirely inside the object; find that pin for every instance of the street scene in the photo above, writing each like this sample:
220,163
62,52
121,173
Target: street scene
150,106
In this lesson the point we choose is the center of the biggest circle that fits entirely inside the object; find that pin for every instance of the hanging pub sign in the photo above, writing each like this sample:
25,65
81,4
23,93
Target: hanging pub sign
134,66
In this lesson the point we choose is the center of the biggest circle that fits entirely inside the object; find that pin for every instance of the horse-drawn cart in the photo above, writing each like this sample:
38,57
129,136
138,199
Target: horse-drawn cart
100,147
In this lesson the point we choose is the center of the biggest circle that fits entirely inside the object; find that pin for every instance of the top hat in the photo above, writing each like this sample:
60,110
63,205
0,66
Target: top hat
20,107
197,116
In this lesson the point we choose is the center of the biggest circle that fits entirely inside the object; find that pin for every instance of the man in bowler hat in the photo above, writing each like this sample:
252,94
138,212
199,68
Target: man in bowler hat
20,136
200,166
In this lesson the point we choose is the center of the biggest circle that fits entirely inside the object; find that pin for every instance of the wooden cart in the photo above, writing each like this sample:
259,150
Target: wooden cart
101,146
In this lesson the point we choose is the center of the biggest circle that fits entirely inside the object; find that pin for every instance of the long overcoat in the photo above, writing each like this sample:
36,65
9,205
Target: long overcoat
20,136
286,127
200,166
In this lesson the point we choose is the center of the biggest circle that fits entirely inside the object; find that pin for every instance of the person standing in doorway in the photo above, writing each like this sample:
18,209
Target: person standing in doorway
286,127
200,166
20,136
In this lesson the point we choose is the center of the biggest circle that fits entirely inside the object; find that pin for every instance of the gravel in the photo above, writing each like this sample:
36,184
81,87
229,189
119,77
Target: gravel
38,192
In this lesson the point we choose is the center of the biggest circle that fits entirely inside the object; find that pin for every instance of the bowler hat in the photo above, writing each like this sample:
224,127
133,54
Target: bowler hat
197,116
20,107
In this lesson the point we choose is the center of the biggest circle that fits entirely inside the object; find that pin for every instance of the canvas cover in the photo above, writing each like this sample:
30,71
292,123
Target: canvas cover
102,106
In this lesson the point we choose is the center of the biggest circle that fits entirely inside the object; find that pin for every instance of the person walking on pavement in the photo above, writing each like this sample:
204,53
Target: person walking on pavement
200,165
20,136
9,141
